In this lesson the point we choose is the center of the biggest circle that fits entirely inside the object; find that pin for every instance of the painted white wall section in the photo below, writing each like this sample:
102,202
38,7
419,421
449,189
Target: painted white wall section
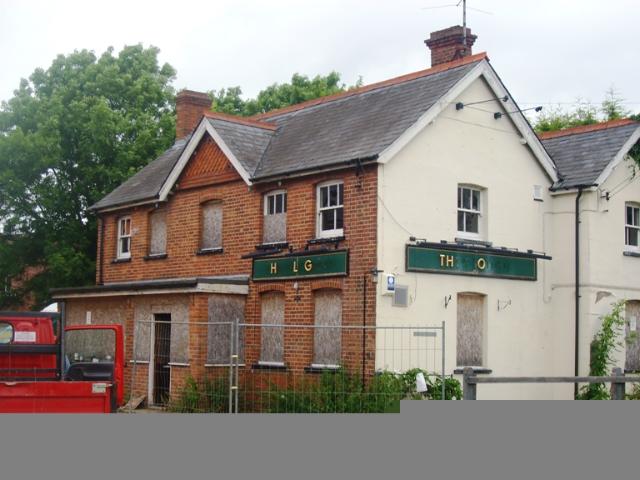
418,196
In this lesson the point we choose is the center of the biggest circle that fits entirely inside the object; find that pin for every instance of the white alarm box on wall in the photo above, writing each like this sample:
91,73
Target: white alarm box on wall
389,284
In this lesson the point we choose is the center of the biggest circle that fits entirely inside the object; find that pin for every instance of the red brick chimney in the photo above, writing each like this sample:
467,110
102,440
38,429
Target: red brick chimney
448,44
190,106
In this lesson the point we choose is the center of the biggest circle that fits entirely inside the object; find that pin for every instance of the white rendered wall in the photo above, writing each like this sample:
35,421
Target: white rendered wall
418,196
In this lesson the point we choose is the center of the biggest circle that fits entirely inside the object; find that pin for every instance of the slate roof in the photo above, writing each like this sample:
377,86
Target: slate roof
322,133
145,184
582,153
247,142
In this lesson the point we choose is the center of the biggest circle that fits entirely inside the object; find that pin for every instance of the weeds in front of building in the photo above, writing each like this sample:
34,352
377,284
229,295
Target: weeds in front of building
605,344
338,391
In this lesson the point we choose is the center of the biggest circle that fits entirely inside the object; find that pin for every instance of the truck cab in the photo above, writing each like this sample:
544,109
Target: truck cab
45,367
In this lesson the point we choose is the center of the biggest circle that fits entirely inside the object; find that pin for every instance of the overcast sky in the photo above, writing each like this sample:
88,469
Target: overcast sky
546,51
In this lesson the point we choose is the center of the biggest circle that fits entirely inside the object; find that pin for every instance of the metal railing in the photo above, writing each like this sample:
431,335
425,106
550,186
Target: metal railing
617,379
275,368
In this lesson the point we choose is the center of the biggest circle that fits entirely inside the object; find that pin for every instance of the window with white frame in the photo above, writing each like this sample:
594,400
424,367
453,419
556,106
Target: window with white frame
275,217
124,237
330,209
632,225
469,211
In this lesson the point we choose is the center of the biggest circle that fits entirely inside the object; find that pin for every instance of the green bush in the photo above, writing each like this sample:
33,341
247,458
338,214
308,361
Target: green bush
208,396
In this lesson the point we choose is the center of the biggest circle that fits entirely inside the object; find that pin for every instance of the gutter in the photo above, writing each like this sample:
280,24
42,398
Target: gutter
316,169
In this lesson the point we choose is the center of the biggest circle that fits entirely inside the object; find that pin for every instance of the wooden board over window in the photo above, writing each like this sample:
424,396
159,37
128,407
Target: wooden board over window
327,341
470,330
632,361
272,313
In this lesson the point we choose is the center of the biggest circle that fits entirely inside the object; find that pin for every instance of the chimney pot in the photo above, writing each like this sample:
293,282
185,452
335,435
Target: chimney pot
190,106
448,44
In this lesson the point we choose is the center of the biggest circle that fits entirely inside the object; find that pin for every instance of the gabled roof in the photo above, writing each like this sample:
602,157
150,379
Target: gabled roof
145,184
353,126
585,155
364,124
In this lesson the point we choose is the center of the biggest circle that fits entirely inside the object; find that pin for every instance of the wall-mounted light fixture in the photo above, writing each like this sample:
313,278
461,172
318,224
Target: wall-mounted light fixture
375,273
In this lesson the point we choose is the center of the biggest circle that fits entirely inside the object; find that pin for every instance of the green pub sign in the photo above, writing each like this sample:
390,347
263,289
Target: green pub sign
493,264
311,265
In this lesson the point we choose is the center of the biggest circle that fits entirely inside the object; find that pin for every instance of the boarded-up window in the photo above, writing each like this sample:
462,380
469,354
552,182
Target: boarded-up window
225,310
211,226
328,334
272,345
632,362
158,229
470,330
275,217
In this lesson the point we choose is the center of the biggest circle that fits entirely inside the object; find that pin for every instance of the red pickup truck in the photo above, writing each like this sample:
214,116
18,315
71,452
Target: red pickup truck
46,368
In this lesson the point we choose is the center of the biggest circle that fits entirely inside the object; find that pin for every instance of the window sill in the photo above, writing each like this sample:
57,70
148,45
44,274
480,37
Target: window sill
155,256
121,260
279,366
274,245
318,241
631,253
140,362
476,370
209,251
222,365
178,364
319,368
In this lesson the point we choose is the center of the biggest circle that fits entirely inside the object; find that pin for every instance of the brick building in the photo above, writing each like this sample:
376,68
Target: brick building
290,218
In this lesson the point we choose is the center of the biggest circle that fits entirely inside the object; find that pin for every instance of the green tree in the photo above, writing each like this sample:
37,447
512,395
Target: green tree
279,95
582,113
70,135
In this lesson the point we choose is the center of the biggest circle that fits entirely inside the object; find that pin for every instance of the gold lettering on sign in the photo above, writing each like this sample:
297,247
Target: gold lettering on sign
446,260
274,268
481,263
295,266
308,265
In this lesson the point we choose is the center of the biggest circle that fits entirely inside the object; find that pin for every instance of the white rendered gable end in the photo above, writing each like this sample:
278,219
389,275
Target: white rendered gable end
483,69
204,128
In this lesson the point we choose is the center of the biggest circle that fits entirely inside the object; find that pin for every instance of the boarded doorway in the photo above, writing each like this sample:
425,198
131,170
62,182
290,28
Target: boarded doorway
632,363
161,358
470,330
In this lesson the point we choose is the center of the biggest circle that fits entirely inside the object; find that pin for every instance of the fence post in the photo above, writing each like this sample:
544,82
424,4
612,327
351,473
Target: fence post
617,388
468,387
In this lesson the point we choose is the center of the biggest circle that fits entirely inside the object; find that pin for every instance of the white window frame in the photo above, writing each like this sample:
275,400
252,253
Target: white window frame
479,212
631,226
120,253
335,232
275,193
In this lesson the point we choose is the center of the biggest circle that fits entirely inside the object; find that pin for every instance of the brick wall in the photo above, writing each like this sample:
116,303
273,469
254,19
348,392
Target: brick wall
241,231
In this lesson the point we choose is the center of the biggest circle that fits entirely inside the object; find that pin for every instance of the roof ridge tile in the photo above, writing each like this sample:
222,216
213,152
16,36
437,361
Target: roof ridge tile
443,67
240,120
587,128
